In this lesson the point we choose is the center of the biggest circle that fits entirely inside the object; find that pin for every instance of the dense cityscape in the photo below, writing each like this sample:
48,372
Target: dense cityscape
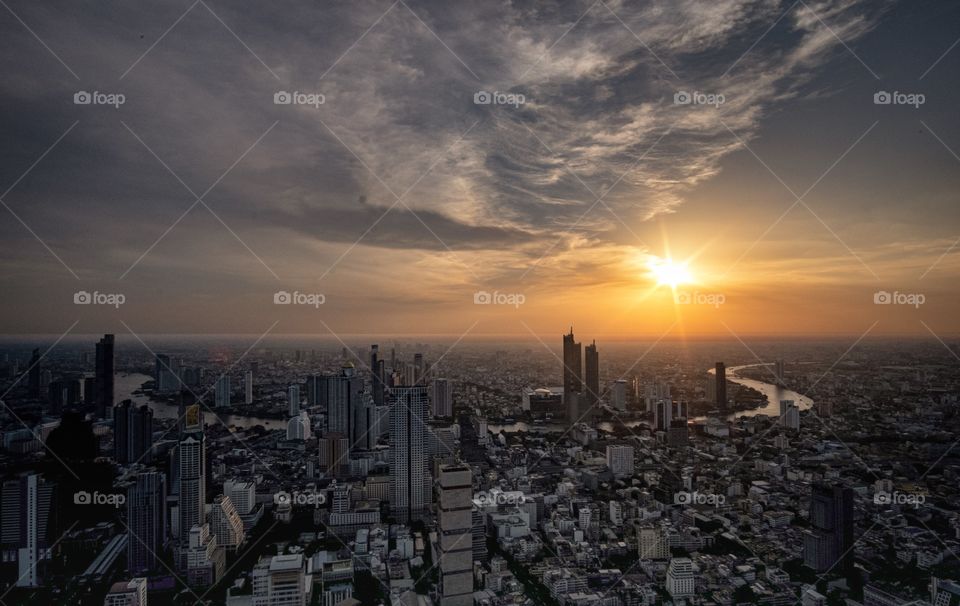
470,473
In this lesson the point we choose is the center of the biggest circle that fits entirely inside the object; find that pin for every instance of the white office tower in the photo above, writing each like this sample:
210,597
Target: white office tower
127,593
243,495
205,559
281,581
618,394
293,401
225,523
620,460
442,402
248,387
409,483
222,392
680,578
455,534
298,428
192,456
652,544
789,414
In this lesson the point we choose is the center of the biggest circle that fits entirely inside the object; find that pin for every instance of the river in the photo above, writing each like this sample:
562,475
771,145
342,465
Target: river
773,393
127,383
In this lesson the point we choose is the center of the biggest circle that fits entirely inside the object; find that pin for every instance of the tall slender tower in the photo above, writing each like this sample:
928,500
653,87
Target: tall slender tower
147,519
192,455
572,376
721,378
409,481
455,527
103,386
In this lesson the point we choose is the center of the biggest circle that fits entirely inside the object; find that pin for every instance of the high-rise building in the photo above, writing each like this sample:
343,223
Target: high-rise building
166,374
33,372
572,376
652,543
205,560
340,395
243,495
63,393
225,523
192,457
681,582
127,593
221,393
455,530
620,460
147,521
663,414
721,391
282,580
778,372
409,484
377,375
365,428
334,454
248,387
293,401
618,394
298,427
132,433
442,400
828,543
103,387
789,414
592,373
29,526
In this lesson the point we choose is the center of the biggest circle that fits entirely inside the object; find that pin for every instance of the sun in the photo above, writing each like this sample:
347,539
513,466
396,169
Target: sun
668,272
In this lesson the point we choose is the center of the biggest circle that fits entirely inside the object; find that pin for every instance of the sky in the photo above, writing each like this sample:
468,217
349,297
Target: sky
389,198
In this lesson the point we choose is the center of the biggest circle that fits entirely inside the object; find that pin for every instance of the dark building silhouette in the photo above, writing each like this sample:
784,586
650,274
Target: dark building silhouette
828,543
147,519
592,372
132,433
103,387
62,394
572,376
721,370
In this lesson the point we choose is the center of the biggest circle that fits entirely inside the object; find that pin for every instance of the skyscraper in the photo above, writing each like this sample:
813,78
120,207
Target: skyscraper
29,525
442,401
340,395
618,394
572,376
132,432
829,540
293,401
147,521
225,523
592,372
221,392
455,529
721,379
192,456
103,399
248,387
409,485
376,370
165,374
